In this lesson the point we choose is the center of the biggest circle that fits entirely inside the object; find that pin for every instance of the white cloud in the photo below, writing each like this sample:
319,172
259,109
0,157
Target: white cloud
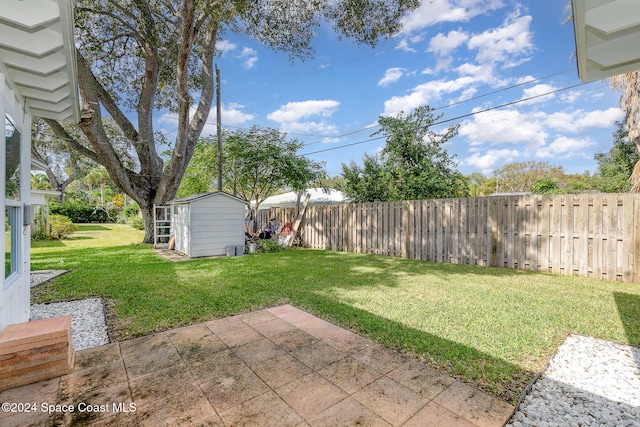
250,62
505,43
570,97
433,12
225,46
443,45
321,128
250,57
435,89
436,11
563,147
487,161
291,116
232,115
404,45
294,111
579,120
505,126
392,75
538,91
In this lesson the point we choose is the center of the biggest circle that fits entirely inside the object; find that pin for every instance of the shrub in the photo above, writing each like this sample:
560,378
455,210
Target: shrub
61,226
269,245
131,210
136,222
78,210
39,235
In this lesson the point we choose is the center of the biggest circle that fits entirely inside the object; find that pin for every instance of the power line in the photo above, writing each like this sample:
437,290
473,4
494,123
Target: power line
454,118
328,138
454,103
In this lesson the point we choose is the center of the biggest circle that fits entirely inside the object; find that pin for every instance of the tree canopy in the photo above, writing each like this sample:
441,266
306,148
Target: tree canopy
260,161
616,166
137,57
412,165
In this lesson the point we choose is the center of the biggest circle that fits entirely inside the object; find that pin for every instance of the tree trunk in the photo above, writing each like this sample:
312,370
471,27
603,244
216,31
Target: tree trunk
147,216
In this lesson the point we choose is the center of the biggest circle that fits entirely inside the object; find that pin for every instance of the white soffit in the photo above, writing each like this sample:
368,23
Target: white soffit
607,37
38,56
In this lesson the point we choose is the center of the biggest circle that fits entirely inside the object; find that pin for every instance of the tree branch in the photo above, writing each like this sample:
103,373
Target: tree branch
71,141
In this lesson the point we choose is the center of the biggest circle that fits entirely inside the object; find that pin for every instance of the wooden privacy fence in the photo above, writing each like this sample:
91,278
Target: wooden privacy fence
591,235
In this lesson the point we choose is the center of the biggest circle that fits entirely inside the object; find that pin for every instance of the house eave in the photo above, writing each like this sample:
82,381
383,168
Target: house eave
38,56
607,33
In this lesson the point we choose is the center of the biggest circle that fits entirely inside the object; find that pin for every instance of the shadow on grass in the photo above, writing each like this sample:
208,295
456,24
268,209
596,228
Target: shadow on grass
629,312
47,244
91,227
149,294
497,376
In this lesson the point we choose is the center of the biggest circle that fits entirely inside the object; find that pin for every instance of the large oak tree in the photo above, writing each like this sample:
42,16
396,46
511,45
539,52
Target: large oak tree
137,57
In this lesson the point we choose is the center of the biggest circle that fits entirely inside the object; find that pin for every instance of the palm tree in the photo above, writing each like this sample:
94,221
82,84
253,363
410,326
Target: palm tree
629,87
40,181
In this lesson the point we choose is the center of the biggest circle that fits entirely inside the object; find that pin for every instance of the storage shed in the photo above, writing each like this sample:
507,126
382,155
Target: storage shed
206,224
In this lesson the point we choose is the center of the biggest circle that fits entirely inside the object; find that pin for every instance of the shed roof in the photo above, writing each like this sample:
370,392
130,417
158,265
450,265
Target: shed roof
194,197
38,56
607,36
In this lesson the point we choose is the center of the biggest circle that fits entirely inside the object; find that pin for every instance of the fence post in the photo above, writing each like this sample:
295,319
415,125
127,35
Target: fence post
495,235
636,239
345,227
405,224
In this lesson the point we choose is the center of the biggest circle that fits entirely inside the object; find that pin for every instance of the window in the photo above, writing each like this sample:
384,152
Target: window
12,233
13,210
12,157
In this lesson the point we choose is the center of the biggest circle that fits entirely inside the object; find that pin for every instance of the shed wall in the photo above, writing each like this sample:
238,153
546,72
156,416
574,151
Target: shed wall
180,220
216,222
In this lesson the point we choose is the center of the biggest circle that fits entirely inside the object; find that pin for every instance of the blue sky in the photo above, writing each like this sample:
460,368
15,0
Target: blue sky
449,52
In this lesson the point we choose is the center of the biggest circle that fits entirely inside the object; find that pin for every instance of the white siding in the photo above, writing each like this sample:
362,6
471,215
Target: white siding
14,293
180,221
217,222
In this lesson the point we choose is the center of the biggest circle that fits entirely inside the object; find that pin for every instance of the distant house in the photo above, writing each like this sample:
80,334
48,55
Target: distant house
37,78
206,224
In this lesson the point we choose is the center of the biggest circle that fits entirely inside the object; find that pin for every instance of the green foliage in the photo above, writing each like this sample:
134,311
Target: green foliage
201,174
258,161
136,222
413,165
520,176
269,245
131,210
546,185
480,185
615,166
61,226
131,215
78,210
39,235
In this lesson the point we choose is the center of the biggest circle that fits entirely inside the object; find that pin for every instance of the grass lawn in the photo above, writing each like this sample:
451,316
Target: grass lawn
494,327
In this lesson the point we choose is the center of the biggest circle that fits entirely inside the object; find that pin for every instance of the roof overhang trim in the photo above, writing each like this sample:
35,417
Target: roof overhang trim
607,34
38,56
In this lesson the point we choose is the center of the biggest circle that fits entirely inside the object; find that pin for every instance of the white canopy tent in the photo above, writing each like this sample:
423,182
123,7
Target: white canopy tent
318,197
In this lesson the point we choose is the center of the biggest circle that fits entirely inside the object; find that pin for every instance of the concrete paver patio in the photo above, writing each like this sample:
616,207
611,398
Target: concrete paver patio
274,367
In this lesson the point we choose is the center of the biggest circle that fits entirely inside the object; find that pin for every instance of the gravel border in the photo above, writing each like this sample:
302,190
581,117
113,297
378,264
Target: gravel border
42,276
88,322
588,382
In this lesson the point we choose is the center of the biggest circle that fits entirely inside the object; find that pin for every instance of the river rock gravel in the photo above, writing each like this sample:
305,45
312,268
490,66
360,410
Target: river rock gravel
588,382
88,322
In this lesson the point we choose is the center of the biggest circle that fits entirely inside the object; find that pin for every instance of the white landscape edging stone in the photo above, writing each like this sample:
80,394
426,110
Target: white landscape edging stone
588,382
88,322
